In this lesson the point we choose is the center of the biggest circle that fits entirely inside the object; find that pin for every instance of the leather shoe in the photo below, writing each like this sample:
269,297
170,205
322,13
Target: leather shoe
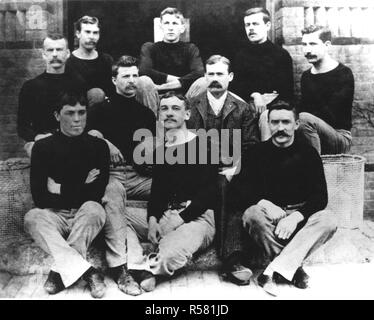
235,271
268,284
126,282
54,283
146,280
300,279
95,281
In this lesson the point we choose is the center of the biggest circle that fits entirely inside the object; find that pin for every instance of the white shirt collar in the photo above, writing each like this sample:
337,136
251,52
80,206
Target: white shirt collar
216,104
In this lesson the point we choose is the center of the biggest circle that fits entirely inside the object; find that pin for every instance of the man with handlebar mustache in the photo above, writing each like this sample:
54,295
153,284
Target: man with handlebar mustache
282,191
327,90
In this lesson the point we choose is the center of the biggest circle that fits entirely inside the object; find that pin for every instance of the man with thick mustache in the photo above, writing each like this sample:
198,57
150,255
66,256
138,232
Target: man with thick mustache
263,70
219,110
283,194
39,96
327,90
91,66
116,120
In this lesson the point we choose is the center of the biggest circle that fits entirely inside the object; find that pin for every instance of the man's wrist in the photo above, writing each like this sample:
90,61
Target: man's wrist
297,216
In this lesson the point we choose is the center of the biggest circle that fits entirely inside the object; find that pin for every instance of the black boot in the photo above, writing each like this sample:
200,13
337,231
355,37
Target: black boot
95,281
54,283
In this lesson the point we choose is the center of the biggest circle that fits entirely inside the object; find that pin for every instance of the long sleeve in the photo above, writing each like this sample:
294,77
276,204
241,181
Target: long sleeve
39,174
146,66
78,193
329,97
205,195
284,80
196,68
25,107
316,185
250,131
159,194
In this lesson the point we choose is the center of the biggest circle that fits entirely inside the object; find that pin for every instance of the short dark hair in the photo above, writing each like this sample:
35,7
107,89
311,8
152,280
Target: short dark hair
218,58
70,98
324,33
170,94
124,61
173,11
56,36
86,20
265,13
278,104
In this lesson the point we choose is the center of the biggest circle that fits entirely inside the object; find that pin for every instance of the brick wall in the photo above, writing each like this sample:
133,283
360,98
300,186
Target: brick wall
23,25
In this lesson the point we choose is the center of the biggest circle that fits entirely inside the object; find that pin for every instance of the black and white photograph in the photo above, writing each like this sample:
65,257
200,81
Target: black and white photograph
207,151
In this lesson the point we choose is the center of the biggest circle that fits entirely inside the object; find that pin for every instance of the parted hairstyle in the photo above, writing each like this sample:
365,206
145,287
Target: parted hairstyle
173,11
324,33
86,20
278,104
124,61
170,94
56,36
218,58
265,13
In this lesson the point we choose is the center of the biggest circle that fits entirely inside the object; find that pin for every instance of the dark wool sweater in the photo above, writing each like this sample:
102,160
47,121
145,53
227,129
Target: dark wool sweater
263,68
284,176
181,59
37,100
118,119
179,182
68,160
329,96
95,73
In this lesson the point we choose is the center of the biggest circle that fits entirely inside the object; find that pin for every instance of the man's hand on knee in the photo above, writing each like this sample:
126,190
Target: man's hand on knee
287,225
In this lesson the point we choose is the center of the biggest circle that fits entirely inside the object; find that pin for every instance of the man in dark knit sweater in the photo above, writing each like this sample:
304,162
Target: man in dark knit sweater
261,67
92,67
69,173
180,221
171,63
282,191
263,70
326,96
116,120
38,97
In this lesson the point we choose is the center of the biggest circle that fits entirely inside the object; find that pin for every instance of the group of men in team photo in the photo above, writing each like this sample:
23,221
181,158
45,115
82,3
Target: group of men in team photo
240,166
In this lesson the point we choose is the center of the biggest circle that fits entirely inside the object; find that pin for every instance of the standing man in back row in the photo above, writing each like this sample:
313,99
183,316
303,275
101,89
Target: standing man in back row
327,90
263,70
171,63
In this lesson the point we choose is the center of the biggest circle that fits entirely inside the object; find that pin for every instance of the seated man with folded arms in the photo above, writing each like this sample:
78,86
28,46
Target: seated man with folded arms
327,90
179,220
69,173
38,96
283,194
171,63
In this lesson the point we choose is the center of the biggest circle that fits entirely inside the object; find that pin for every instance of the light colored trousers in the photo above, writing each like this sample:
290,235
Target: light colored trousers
316,132
66,236
174,248
287,256
124,183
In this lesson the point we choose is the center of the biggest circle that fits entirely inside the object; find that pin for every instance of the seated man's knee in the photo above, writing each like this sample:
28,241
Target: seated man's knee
33,219
114,191
146,83
306,119
94,212
328,222
254,215
95,96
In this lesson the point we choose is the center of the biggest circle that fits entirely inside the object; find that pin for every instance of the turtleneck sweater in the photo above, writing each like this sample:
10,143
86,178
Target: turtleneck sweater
118,118
68,160
262,68
181,59
37,100
284,176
